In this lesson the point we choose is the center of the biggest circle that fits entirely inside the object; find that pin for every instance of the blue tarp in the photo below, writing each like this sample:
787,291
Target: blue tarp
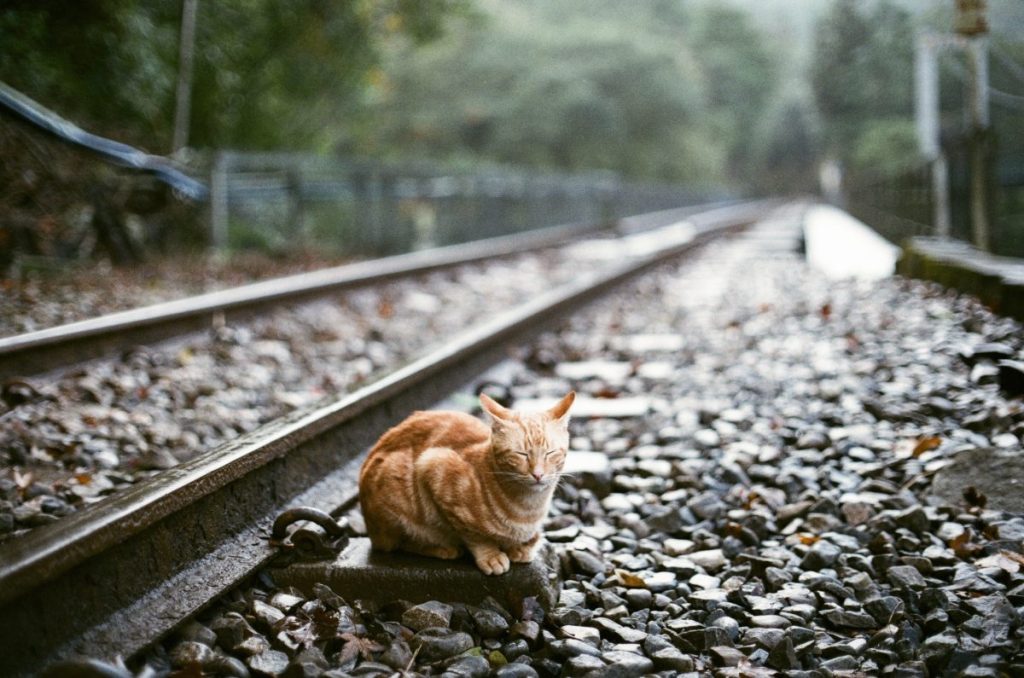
16,103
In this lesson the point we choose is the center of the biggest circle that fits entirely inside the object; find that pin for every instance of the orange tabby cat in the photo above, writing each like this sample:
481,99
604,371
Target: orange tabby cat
441,481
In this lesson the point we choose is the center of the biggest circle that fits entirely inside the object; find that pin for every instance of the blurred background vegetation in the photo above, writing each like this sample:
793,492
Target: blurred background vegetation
748,96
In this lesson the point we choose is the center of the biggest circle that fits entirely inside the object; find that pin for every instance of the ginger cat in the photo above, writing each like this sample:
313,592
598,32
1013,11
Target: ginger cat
441,481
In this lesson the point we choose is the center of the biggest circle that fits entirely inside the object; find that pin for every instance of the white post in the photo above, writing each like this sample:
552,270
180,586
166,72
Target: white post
219,202
926,108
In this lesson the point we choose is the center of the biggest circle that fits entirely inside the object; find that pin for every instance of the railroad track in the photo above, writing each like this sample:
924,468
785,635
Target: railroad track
53,348
118,575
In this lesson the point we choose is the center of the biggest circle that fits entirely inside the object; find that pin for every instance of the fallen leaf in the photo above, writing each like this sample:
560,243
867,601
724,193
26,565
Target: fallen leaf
962,546
808,539
630,580
23,480
354,645
1004,560
925,445
974,497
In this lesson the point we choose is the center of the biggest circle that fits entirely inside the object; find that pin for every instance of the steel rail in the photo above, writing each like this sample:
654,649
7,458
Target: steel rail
113,578
56,347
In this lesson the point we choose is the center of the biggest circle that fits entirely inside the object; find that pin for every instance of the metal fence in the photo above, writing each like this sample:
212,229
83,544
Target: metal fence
286,201
902,206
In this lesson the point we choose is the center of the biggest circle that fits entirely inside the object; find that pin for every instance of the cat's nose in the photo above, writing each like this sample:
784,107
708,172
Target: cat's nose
538,475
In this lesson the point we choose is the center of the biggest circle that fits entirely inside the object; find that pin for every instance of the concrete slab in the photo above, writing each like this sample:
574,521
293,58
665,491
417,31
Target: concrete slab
649,343
359,573
585,406
843,247
998,474
601,369
996,281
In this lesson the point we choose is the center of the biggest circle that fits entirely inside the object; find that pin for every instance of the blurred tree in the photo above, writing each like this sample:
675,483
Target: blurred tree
268,73
862,78
741,78
653,90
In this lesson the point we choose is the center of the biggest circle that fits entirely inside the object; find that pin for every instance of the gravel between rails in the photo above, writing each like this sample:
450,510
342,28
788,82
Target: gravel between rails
72,440
40,299
769,515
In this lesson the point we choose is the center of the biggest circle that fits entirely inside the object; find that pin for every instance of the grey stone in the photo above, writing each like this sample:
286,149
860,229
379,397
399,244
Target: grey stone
398,655
271,663
490,624
199,633
627,664
770,621
726,656
843,663
936,649
711,560
581,665
913,518
266,615
516,670
570,647
468,667
587,634
440,643
905,576
764,637
729,625
231,629
586,562
191,653
618,631
849,619
821,555
782,656
428,615
672,659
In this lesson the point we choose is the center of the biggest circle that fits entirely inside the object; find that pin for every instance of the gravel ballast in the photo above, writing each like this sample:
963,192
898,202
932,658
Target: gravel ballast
70,440
766,508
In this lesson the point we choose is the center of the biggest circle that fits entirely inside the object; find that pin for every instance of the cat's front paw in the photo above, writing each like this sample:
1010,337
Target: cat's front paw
523,553
492,562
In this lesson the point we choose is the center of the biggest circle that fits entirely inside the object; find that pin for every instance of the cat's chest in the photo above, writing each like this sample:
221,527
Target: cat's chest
521,523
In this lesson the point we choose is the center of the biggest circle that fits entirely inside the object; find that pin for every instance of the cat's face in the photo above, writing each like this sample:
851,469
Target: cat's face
529,448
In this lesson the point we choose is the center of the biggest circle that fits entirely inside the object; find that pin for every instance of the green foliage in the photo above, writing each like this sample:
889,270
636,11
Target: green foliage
862,70
885,147
649,90
267,73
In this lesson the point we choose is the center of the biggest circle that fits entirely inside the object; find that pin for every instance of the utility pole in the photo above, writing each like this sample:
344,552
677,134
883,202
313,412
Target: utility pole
971,29
971,24
183,95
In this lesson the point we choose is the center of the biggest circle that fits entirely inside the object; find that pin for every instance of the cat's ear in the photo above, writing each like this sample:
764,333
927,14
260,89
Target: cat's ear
560,412
494,409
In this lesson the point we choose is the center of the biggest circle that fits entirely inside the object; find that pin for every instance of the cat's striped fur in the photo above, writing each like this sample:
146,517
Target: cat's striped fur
440,482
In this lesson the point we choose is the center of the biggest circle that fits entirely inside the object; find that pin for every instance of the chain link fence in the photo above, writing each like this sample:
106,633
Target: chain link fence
278,201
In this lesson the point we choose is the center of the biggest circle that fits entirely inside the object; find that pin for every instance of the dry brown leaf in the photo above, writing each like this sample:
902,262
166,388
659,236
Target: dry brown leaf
1002,561
925,444
354,645
630,580
808,539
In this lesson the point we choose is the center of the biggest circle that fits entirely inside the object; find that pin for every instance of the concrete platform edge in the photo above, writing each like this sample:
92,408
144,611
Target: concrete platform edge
997,281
